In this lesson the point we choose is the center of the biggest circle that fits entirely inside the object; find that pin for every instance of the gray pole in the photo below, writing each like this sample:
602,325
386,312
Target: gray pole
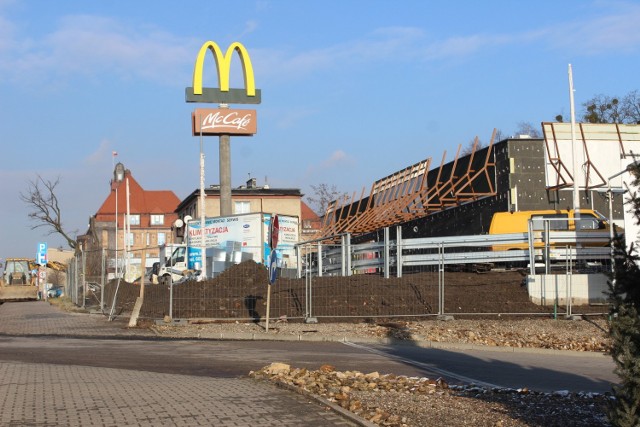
103,272
225,175
203,214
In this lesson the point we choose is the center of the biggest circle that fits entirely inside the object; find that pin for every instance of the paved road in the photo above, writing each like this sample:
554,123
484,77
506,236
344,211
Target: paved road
88,367
537,370
218,359
42,384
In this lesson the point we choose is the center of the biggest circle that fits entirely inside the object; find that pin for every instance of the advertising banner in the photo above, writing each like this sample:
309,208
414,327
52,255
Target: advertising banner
239,238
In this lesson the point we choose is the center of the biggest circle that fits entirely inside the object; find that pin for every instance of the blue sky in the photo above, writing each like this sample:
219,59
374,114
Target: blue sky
352,91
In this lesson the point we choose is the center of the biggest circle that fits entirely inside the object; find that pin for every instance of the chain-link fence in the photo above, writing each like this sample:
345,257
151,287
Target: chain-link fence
460,276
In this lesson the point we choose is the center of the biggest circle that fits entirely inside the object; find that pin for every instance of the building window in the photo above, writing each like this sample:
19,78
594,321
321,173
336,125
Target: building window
157,219
162,238
242,207
134,219
130,239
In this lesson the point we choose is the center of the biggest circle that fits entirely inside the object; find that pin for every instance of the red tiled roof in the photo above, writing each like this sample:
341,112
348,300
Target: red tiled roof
307,213
140,200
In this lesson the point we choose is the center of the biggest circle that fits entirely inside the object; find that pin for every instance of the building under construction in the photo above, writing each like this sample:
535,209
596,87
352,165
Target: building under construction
459,197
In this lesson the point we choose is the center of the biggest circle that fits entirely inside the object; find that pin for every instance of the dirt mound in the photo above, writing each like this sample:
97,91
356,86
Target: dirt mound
240,292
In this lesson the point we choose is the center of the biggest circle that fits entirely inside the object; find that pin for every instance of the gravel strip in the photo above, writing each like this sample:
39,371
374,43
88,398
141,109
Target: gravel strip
390,400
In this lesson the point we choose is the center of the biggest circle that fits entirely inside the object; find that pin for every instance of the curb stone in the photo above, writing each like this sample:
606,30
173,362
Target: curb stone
252,336
325,402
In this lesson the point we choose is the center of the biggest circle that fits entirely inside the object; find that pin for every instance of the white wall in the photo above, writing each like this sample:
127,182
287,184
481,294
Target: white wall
580,289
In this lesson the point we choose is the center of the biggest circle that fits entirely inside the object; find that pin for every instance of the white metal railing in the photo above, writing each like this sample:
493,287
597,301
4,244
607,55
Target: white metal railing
392,256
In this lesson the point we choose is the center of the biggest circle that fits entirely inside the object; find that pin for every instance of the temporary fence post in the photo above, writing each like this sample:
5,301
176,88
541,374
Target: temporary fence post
532,252
75,284
399,251
348,254
547,250
268,306
171,296
570,287
103,273
441,279
343,265
386,252
68,278
319,263
84,276
307,280
308,290
299,263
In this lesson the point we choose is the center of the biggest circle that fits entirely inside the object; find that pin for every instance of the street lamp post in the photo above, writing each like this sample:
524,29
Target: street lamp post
118,177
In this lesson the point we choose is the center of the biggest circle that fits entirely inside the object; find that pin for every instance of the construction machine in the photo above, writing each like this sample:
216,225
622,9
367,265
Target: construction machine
18,280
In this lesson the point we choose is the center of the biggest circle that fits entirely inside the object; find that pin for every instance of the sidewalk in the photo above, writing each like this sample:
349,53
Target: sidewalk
60,395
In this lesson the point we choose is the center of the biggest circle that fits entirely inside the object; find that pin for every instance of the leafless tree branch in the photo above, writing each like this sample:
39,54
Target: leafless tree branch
44,207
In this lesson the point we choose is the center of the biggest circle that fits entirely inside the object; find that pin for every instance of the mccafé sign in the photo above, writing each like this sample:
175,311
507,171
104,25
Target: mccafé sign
220,121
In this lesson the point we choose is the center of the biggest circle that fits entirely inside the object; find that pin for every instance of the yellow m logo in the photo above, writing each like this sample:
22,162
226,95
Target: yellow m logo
223,64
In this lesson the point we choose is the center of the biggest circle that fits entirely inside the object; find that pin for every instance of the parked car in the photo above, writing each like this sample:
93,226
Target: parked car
55,291
93,287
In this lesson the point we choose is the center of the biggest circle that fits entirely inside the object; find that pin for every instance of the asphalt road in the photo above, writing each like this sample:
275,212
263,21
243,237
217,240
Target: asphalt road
544,371
536,370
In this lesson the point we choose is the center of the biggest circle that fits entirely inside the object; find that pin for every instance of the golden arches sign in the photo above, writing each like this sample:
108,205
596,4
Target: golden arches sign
223,94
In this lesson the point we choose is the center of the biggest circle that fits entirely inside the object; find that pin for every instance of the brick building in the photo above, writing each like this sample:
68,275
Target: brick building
151,216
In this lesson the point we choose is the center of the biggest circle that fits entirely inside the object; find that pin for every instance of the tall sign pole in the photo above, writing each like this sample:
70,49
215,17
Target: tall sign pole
225,173
222,122
574,151
203,213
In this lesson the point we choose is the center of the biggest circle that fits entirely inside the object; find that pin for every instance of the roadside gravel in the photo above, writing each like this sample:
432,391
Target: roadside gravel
558,334
390,400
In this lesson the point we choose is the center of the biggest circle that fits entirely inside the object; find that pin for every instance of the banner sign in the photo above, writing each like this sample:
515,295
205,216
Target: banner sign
217,121
240,237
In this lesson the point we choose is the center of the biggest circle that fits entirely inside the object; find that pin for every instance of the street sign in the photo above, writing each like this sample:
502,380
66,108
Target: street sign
273,267
41,254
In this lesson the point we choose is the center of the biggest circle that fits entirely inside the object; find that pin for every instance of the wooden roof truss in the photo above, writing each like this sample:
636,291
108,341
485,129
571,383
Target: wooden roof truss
586,132
415,192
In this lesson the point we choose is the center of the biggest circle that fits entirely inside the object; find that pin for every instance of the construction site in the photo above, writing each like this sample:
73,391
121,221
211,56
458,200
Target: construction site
460,196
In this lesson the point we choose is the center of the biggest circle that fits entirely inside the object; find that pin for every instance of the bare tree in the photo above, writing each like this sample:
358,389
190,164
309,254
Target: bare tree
526,128
323,194
603,109
631,107
468,149
45,210
610,109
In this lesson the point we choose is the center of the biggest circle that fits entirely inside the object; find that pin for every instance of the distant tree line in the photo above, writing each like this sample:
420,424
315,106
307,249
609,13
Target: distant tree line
610,109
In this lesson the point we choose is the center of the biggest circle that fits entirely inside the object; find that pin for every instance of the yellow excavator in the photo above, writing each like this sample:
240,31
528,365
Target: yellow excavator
18,282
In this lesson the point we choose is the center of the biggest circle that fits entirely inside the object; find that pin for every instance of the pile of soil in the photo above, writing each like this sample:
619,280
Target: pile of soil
241,292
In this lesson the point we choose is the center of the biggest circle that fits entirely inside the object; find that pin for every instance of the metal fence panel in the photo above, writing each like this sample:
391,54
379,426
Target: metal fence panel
461,275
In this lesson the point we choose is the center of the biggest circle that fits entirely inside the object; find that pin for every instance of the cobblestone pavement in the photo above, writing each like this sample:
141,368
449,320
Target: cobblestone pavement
59,395
41,318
